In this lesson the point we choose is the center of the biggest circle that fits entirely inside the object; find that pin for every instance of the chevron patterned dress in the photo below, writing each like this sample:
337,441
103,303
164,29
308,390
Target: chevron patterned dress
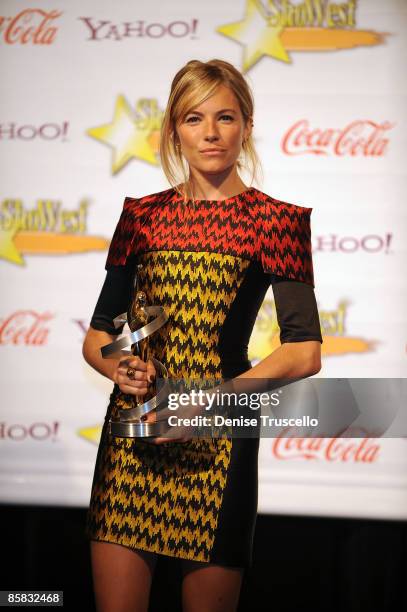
209,266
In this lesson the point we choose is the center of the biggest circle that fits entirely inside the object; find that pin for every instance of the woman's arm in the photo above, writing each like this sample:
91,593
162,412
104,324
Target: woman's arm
92,344
299,355
116,368
114,299
300,333
290,360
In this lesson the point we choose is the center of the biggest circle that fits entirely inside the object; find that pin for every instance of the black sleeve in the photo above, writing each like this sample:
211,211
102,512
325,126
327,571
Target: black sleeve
297,312
114,298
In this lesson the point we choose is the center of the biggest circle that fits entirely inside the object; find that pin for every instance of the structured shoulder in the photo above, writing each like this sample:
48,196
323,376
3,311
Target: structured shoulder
127,229
285,242
157,197
136,207
283,208
122,241
130,202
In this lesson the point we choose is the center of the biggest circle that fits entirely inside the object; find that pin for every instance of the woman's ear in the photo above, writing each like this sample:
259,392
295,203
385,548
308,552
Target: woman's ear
175,139
248,128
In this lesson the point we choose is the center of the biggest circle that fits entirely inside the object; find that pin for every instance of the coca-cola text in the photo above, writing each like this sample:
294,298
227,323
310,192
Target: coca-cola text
362,137
25,327
29,26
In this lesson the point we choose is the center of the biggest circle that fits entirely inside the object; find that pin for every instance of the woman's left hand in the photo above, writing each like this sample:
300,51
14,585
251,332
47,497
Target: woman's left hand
176,433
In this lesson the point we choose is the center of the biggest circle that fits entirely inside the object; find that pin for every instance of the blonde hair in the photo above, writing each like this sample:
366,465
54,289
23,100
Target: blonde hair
191,86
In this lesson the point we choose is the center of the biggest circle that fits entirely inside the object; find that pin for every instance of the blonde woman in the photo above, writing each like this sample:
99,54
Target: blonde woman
210,246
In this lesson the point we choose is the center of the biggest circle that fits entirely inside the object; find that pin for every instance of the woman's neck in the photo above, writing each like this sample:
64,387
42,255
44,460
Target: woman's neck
205,190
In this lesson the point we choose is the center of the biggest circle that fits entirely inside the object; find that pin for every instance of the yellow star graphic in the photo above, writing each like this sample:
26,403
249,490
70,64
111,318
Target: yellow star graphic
91,434
8,250
128,135
258,34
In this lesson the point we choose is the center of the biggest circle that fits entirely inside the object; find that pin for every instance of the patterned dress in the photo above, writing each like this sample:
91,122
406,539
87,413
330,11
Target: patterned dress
210,266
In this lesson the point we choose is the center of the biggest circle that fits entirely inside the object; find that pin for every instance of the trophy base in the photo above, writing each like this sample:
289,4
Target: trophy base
136,429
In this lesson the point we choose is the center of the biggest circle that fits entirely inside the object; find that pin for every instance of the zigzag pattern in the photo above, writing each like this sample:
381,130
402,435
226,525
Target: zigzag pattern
167,499
251,225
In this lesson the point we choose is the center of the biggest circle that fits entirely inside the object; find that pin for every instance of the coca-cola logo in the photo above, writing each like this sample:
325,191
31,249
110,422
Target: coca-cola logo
45,131
25,327
361,449
360,138
29,26
370,243
108,30
17,432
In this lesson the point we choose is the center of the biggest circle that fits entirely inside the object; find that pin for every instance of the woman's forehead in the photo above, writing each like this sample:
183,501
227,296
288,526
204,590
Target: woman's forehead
222,98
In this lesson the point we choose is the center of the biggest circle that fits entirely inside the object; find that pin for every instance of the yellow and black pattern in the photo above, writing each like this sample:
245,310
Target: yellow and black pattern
168,498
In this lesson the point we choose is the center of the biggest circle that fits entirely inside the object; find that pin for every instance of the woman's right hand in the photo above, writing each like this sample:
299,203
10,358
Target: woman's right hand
137,383
144,375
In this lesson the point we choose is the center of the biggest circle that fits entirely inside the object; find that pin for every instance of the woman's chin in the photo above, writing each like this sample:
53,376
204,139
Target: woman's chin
213,166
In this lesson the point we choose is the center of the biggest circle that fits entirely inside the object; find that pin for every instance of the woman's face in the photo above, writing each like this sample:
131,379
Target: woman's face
215,124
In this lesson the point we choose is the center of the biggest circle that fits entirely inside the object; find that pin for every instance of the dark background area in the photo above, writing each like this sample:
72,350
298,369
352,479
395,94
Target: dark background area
300,563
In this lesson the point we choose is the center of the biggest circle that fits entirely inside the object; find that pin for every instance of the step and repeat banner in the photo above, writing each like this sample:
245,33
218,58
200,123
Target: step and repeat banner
85,84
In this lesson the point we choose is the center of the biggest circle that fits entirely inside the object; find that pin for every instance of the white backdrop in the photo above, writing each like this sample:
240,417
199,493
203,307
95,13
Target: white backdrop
79,81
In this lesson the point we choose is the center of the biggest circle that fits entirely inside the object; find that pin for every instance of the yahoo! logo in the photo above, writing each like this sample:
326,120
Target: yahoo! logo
108,30
45,131
369,243
17,432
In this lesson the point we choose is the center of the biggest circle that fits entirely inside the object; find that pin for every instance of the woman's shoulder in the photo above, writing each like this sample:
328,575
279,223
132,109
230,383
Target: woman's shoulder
285,239
158,197
278,206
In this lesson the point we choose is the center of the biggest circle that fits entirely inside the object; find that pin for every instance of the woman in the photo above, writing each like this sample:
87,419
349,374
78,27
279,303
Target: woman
209,248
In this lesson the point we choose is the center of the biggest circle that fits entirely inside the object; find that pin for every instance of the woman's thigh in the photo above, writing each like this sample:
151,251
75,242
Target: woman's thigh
121,577
210,588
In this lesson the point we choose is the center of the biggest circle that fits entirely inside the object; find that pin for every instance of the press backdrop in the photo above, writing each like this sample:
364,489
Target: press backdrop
85,84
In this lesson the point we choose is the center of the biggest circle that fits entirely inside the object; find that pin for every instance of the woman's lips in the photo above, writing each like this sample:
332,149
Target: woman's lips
213,152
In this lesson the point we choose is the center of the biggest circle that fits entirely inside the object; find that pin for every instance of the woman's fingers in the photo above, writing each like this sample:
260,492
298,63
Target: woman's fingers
132,376
174,434
134,389
150,417
151,372
133,363
166,440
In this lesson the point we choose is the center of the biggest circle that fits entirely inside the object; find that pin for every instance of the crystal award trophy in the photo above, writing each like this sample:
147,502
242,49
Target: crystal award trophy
143,321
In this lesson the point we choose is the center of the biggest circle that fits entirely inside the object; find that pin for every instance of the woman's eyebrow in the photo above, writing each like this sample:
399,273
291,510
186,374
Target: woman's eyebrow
223,110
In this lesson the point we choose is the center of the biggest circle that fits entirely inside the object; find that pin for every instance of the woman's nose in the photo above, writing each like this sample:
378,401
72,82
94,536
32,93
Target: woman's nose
210,130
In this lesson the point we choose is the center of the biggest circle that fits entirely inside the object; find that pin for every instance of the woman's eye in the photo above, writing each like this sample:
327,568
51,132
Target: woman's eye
193,118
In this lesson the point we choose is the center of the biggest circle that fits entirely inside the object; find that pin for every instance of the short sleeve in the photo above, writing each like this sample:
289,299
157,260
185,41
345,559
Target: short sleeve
114,299
297,312
122,243
285,241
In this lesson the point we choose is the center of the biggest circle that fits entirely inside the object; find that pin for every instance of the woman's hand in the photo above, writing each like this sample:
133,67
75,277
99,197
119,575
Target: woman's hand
133,375
174,434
